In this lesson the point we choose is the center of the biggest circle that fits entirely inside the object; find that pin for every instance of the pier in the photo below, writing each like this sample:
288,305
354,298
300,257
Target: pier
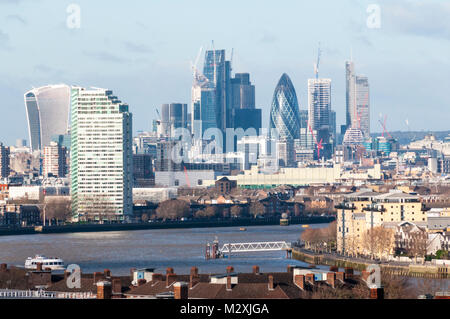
213,251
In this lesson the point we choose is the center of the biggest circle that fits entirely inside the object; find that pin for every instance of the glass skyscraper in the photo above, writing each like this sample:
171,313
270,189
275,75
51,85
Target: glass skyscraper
47,110
284,113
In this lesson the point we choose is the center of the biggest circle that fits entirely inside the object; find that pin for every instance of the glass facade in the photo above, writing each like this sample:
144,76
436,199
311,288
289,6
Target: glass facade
47,113
284,113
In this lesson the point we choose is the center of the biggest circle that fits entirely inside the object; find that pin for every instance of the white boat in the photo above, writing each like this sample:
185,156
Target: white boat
47,262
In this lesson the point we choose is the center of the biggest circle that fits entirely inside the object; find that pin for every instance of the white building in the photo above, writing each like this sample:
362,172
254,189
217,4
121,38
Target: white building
54,160
101,156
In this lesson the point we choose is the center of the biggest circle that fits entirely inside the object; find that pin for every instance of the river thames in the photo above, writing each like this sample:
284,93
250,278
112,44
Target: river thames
160,248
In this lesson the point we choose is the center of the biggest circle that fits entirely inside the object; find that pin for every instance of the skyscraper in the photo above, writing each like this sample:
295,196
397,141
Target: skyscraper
218,71
319,103
47,111
101,156
284,113
357,100
363,104
173,116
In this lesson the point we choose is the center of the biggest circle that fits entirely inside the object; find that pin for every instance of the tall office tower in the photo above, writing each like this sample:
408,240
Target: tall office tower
203,108
363,104
284,113
319,103
245,115
4,161
218,72
242,92
357,100
47,111
54,160
173,116
101,156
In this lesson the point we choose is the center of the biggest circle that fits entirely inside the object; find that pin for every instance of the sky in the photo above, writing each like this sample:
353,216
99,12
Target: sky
142,50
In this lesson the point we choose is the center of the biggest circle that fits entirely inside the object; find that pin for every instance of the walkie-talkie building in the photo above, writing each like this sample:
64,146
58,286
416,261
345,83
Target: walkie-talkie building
47,111
284,113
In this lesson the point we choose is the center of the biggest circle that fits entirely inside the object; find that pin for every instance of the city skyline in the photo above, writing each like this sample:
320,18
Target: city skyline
140,68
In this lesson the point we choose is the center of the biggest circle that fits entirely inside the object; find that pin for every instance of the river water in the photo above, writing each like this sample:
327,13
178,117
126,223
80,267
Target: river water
160,248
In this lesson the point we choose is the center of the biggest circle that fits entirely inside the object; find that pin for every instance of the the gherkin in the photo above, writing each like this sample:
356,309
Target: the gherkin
284,113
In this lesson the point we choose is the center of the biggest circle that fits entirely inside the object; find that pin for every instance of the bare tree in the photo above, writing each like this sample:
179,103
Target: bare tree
173,209
257,209
236,211
57,209
378,241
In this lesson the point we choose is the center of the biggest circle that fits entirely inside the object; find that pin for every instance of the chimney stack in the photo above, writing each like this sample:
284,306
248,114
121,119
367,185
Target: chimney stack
255,270
107,273
334,269
169,270
290,268
230,269
39,267
3,267
170,279
103,290
228,283
299,280
117,288
180,290
376,293
194,271
331,279
365,274
310,279
271,286
340,276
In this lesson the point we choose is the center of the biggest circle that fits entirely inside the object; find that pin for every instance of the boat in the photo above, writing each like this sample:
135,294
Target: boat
305,226
242,229
47,262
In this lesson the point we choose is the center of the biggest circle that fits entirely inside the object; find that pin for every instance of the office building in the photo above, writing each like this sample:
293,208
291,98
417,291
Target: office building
47,110
173,116
357,100
101,156
4,161
284,113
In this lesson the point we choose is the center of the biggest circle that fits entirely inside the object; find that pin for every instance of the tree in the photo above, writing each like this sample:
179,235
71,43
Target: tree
257,209
378,241
236,211
144,217
208,212
173,209
56,209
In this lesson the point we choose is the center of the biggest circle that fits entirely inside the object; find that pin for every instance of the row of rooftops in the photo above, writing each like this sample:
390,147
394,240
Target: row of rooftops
296,283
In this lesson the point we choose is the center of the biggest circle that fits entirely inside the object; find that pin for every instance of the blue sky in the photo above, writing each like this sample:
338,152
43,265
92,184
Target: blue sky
142,50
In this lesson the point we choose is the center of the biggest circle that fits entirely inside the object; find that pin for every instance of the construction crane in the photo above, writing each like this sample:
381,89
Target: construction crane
316,66
318,144
383,125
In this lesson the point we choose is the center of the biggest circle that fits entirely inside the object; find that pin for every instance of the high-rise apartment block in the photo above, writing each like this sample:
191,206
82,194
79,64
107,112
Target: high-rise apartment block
54,162
101,156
